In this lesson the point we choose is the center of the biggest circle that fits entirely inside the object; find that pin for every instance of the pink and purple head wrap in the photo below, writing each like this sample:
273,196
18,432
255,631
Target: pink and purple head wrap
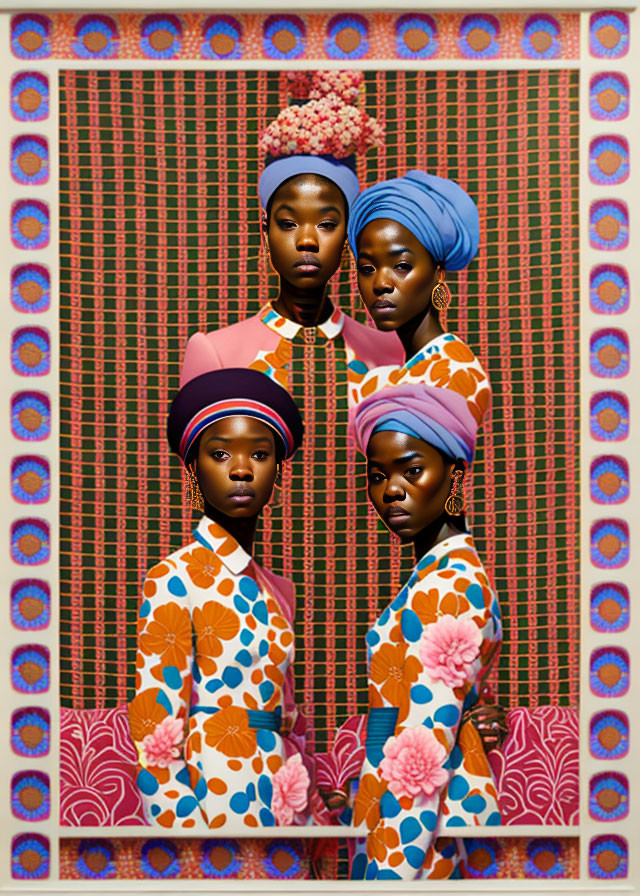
437,211
438,416
281,169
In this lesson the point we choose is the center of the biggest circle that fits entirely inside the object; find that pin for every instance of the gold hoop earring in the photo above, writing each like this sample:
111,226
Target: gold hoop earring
454,505
345,261
192,490
440,296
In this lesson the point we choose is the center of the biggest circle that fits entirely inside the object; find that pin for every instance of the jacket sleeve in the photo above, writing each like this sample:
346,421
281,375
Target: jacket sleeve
200,357
439,645
158,714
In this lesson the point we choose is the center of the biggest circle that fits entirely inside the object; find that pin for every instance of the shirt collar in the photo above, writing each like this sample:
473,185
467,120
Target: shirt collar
224,546
289,329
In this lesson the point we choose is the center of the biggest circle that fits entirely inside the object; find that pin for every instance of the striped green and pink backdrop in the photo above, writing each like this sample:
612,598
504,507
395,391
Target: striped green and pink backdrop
159,237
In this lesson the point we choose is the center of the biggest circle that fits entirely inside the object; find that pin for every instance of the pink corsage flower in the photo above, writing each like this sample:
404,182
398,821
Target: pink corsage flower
290,790
449,648
413,763
162,746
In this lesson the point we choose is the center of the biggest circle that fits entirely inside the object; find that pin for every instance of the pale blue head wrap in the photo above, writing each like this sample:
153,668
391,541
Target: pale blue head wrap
338,171
437,211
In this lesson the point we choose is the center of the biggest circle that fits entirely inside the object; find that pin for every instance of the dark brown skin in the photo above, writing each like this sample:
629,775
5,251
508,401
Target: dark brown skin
396,276
305,233
409,482
236,468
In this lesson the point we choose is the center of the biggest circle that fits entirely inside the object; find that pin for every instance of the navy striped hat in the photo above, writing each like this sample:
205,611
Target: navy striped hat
232,392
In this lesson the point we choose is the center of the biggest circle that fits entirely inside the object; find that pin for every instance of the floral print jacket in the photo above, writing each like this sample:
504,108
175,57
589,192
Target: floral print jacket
428,652
215,645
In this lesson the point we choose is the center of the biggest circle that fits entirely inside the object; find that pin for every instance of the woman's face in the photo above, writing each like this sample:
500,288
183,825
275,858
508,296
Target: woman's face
396,274
236,466
306,231
408,480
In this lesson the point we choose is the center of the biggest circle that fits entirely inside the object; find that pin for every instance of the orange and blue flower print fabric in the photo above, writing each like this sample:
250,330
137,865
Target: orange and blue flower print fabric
446,362
424,773
213,686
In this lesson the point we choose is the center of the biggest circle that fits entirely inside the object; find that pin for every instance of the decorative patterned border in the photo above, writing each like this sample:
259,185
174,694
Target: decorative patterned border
599,47
608,238
284,37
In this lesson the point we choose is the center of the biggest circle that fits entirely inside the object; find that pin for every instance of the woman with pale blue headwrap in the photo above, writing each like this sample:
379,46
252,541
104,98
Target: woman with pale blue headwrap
425,772
406,233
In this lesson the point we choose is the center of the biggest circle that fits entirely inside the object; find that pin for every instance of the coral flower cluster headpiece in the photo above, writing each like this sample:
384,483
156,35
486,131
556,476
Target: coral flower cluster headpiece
320,135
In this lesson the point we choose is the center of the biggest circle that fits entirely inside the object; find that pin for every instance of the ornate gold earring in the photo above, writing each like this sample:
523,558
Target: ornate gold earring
192,490
454,505
440,296
345,261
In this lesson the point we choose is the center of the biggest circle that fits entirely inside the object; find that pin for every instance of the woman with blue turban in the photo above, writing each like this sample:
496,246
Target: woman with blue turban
406,233
425,772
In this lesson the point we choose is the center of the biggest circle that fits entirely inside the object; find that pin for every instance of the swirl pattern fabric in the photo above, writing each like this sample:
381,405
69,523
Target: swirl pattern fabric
97,769
537,770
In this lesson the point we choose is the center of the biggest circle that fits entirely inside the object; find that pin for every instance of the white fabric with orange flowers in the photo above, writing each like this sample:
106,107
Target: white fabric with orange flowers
215,631
446,362
427,654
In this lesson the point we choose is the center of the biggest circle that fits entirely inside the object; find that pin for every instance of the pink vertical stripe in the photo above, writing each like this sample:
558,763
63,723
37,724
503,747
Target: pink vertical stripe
98,384
183,278
75,361
142,397
162,297
527,363
401,125
381,105
308,515
505,353
421,120
375,600
462,298
121,378
488,492
203,220
264,269
441,134
550,385
287,566
331,511
570,324
247,205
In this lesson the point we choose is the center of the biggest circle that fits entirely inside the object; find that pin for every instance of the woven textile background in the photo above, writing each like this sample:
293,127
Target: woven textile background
159,237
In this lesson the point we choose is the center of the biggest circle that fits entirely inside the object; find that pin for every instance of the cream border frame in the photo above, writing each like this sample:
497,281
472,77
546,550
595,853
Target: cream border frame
11,383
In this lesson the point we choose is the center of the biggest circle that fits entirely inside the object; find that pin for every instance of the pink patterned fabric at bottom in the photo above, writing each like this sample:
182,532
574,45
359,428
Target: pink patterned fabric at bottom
97,769
537,769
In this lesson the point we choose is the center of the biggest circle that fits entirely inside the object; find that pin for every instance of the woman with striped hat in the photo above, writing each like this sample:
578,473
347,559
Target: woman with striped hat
214,693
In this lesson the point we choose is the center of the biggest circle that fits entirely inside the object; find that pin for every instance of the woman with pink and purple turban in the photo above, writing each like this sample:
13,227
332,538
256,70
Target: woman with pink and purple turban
425,772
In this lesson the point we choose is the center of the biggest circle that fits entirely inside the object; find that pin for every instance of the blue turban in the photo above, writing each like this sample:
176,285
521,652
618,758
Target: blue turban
281,169
437,211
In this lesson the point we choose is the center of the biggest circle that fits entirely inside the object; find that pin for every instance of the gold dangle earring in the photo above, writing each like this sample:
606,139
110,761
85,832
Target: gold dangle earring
192,490
440,296
454,505
345,261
